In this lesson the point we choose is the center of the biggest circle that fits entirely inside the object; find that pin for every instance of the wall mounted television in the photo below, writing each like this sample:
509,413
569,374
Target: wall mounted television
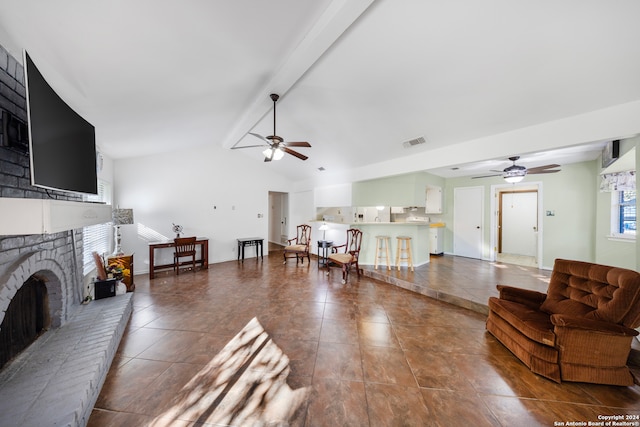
62,144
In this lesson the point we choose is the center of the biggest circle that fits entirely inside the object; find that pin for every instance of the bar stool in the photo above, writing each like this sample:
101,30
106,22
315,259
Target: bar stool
403,251
382,242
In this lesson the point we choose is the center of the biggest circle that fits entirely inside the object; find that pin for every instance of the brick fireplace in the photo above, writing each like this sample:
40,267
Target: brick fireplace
56,379
57,258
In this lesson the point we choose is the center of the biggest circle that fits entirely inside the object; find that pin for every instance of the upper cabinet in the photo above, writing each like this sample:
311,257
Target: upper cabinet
433,195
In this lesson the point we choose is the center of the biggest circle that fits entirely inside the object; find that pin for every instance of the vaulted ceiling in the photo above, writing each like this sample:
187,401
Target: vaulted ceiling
357,78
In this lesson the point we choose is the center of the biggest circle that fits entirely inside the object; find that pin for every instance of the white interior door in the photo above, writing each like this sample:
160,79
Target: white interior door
467,221
519,223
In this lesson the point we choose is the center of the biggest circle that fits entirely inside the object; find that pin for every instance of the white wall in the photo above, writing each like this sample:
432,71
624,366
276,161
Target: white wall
301,210
106,172
211,192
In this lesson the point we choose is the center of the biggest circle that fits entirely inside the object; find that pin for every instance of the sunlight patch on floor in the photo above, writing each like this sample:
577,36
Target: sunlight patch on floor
244,384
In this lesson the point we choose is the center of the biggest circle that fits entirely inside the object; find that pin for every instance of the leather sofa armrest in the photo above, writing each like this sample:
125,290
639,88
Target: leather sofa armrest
566,321
527,297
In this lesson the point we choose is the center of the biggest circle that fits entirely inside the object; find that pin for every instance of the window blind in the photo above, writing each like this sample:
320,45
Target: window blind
96,238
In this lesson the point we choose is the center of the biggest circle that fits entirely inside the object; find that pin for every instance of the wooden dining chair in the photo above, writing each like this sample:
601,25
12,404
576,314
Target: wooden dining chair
299,246
350,255
184,247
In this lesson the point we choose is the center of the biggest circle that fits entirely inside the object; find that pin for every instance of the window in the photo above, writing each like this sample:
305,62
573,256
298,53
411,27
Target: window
96,238
623,218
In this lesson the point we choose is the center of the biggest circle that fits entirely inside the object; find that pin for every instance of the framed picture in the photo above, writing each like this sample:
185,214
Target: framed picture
610,153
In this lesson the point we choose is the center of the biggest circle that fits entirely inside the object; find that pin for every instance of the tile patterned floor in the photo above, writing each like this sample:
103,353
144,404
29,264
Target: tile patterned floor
372,353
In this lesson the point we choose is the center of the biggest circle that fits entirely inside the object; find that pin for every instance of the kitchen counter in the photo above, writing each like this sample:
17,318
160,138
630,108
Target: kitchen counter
356,224
391,223
418,231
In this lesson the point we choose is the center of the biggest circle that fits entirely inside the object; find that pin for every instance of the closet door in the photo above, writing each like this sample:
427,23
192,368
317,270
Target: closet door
468,205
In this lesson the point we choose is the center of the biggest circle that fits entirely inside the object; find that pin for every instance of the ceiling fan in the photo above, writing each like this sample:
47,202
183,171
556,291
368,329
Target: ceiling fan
276,145
515,173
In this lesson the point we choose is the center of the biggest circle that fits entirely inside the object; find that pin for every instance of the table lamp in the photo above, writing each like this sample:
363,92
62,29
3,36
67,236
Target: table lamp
324,227
120,217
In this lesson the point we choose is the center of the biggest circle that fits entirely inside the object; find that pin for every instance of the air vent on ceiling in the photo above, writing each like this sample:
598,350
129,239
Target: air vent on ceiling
414,142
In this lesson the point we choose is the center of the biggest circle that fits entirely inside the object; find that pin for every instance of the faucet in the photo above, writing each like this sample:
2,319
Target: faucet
377,219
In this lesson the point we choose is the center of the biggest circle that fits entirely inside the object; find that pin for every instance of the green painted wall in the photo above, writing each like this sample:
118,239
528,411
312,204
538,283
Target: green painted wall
570,194
400,190
608,251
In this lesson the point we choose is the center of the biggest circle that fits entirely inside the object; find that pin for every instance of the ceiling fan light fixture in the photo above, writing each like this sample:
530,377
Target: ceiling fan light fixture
277,154
273,153
513,177
514,173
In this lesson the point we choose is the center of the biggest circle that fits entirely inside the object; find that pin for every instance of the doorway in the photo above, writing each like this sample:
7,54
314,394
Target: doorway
278,218
516,237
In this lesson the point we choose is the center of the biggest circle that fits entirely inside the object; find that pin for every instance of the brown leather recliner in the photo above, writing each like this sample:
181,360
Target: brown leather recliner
580,330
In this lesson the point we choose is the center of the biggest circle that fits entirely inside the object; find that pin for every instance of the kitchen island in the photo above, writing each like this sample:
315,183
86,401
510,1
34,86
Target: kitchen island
418,231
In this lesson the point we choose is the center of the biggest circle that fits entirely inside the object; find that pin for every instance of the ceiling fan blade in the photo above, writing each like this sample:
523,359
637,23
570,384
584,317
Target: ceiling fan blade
486,176
297,144
294,153
538,172
260,137
247,146
542,168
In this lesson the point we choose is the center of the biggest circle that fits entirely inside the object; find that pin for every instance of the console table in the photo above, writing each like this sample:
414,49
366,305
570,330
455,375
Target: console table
203,242
250,241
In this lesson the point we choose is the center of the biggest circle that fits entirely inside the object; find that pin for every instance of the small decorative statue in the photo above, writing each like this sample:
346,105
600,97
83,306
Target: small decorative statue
177,229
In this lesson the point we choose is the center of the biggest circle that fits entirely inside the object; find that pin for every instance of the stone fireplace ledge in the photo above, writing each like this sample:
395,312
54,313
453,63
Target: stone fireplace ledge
57,380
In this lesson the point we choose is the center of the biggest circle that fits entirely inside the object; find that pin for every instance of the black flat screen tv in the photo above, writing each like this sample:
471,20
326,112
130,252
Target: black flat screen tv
62,145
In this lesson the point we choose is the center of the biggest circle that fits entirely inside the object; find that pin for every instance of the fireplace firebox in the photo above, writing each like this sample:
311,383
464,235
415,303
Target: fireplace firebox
26,318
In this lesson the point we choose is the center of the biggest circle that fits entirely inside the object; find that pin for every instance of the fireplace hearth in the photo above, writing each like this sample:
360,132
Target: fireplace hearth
56,379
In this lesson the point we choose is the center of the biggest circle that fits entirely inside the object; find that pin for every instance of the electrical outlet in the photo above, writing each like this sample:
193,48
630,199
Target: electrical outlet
260,215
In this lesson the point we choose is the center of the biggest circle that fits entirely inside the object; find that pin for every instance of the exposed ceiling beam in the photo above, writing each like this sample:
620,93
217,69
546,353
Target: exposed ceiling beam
335,20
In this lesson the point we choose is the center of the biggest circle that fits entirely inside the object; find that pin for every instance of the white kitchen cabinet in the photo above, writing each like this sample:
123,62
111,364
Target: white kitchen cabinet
433,196
436,240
